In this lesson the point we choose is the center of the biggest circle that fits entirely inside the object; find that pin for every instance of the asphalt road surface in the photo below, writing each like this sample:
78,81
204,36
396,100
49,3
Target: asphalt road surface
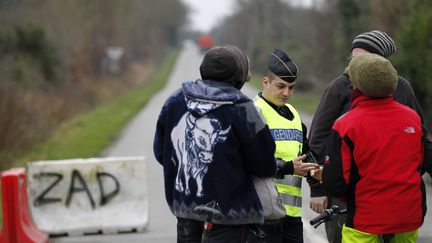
136,140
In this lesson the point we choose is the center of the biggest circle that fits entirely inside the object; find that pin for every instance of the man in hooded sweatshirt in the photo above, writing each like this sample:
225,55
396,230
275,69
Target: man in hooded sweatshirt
374,158
211,142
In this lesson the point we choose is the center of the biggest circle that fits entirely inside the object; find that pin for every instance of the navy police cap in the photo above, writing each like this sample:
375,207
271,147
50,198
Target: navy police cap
282,66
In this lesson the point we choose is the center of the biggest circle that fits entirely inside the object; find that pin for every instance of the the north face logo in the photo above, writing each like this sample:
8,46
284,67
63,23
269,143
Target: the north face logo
409,130
327,160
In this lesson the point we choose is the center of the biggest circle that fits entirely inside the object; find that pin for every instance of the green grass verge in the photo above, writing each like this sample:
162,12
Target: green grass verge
302,101
88,134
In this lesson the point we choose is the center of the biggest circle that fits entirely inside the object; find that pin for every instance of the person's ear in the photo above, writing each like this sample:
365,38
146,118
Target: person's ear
265,80
248,77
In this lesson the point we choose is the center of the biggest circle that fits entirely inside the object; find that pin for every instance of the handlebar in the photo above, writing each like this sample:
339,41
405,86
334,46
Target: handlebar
209,210
327,215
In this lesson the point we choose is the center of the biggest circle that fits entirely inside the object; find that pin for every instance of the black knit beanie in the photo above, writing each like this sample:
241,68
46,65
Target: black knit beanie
376,42
226,63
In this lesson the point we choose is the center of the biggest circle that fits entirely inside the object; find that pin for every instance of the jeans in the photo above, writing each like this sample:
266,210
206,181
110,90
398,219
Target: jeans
286,230
272,231
190,231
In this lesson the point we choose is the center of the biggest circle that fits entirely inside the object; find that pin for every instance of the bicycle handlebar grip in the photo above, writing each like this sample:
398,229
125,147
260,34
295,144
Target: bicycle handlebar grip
323,216
212,212
326,215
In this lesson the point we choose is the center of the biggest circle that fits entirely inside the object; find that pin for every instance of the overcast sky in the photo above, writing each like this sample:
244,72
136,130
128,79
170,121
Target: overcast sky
206,13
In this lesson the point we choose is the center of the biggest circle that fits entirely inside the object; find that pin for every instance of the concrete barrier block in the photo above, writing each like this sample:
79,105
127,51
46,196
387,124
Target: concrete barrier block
88,196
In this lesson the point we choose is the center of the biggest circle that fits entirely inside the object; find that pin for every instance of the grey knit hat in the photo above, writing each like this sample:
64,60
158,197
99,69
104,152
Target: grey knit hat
373,75
376,42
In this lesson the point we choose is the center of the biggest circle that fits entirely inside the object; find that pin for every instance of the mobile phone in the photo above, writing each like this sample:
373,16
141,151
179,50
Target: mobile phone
310,158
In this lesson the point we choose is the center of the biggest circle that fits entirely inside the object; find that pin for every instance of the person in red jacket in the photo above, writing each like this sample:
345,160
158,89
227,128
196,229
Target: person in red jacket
374,158
334,102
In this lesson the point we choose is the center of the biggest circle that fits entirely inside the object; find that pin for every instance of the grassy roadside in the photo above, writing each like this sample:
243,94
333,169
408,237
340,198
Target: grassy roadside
88,134
302,101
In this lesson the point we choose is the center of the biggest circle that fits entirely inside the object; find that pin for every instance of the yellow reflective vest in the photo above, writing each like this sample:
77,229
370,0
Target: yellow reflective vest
288,136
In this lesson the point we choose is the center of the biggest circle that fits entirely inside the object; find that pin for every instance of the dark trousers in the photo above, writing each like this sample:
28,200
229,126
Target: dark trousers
272,230
287,230
190,231
333,227
292,230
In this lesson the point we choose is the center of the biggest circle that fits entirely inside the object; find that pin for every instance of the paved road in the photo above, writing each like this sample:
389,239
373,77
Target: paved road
136,140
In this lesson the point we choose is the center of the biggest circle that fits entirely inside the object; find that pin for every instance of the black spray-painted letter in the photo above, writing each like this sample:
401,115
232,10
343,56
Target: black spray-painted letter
41,199
106,198
73,189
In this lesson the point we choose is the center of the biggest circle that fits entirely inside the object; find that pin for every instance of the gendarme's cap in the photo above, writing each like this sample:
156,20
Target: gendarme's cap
282,66
376,42
373,75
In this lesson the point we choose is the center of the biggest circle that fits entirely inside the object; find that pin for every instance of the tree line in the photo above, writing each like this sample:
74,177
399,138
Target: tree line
55,65
54,62
318,37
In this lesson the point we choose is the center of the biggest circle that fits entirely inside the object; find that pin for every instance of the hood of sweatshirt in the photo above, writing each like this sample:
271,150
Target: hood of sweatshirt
204,96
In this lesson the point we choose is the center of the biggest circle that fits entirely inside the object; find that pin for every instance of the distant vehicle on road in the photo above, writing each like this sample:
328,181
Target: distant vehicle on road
205,42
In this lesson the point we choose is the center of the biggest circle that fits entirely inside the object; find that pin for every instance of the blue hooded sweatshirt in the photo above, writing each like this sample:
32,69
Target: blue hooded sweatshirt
210,141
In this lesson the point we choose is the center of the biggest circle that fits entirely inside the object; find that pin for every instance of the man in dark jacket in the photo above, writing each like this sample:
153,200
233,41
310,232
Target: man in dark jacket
374,158
335,101
211,142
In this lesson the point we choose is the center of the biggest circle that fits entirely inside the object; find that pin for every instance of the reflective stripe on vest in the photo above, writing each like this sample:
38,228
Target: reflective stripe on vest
288,136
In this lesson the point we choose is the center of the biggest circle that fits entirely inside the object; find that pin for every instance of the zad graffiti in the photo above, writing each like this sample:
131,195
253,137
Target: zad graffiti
77,185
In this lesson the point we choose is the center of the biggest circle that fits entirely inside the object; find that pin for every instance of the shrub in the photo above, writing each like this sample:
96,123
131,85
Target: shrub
414,60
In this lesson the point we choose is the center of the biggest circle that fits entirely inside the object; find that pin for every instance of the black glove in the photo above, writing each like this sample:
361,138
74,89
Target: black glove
312,181
283,168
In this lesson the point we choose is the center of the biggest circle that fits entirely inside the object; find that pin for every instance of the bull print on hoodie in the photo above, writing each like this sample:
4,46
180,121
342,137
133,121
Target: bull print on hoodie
194,140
